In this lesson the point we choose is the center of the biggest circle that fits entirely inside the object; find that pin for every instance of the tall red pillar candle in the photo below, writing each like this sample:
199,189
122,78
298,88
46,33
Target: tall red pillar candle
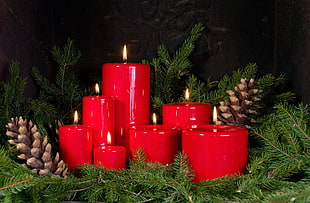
110,156
159,143
216,150
98,113
129,85
75,143
186,114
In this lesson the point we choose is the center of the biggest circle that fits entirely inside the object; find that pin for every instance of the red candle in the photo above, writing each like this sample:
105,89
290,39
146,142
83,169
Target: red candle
98,113
216,150
129,85
186,114
75,143
110,156
160,143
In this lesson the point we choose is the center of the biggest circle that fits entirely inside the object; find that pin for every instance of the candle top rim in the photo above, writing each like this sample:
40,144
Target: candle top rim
98,96
151,127
75,126
219,128
187,104
109,147
126,64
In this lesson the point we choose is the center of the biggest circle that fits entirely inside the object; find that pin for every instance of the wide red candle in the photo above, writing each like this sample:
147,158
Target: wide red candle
186,114
159,143
216,150
110,156
75,143
98,113
129,85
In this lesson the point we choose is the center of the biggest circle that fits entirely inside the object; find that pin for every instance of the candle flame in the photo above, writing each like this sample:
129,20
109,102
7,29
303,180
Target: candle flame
97,88
214,114
154,119
76,117
125,53
109,139
186,94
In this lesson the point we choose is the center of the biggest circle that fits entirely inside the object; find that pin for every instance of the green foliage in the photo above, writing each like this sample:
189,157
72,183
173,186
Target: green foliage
169,73
13,103
11,100
285,136
65,92
14,178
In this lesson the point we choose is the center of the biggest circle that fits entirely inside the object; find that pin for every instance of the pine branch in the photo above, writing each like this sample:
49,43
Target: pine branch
284,135
292,118
65,93
12,99
169,73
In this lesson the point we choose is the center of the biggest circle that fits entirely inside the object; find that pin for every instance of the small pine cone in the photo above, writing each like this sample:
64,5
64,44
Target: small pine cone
34,151
241,104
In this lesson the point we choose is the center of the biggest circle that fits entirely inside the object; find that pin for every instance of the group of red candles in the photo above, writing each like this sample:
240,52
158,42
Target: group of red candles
116,124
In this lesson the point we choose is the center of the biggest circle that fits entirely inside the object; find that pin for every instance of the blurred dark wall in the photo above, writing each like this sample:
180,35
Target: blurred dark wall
273,34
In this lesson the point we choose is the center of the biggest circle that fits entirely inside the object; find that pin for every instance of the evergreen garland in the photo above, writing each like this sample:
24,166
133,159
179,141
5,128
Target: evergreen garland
278,168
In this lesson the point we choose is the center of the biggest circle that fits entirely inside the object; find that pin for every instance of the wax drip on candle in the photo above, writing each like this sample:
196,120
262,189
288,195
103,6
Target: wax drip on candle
97,91
154,120
125,54
109,138
76,118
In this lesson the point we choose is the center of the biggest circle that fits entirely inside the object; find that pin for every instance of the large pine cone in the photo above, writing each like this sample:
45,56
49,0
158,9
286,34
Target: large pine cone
35,152
241,105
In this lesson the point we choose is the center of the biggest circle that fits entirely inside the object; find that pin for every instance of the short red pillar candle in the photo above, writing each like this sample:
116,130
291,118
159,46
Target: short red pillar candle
98,113
129,85
75,143
186,114
216,150
159,143
110,156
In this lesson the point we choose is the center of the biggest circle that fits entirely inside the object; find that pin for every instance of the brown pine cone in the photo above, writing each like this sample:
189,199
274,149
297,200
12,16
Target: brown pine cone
34,151
241,104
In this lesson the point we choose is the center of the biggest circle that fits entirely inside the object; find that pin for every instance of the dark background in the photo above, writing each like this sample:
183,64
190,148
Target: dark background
272,33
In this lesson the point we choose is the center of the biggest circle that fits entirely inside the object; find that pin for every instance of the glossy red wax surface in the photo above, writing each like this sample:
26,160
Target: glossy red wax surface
75,143
160,143
98,113
216,150
186,114
129,85
110,157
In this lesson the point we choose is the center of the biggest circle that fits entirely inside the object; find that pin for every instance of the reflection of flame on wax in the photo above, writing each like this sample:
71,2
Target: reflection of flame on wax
97,88
154,119
125,53
76,117
186,94
214,115
109,139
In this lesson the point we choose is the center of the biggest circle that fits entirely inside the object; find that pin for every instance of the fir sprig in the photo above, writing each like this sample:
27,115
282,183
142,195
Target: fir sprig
65,92
170,72
285,135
